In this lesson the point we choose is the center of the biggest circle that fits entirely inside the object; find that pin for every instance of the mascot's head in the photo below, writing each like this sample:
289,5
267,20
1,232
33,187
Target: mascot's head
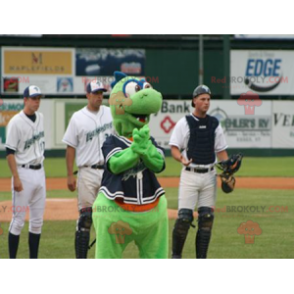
132,100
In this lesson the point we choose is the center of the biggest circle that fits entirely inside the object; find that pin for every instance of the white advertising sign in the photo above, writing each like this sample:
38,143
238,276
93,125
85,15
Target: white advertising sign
265,36
262,72
283,124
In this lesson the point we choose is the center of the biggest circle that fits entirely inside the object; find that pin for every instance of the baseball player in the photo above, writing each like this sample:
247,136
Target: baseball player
84,137
25,145
200,138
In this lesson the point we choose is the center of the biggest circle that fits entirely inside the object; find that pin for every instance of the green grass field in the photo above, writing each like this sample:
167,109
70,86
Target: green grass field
271,209
251,167
276,240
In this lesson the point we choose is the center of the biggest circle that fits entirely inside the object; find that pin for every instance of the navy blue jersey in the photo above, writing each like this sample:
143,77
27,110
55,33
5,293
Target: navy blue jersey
137,185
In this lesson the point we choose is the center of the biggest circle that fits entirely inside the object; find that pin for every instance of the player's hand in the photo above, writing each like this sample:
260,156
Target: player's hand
17,185
185,161
71,183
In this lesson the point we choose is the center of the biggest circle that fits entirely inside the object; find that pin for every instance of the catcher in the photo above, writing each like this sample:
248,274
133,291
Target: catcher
197,140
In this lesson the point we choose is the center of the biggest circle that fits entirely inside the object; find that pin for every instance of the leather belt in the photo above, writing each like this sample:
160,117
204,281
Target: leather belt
96,166
199,171
33,167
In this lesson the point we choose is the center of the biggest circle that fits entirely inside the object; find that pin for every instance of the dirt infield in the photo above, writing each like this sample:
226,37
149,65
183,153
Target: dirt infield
56,209
66,209
249,183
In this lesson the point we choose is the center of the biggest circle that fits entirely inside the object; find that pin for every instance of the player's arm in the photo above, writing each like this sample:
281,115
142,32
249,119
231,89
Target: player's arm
70,157
220,144
178,141
12,137
70,138
222,155
17,185
176,154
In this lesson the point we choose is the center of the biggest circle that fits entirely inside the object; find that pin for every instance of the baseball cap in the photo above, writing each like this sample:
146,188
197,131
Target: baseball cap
32,91
201,89
95,86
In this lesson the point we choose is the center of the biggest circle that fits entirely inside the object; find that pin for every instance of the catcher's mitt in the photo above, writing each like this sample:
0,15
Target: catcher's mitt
229,167
228,182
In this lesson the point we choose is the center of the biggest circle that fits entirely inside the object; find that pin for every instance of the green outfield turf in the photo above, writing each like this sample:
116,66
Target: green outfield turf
251,167
271,209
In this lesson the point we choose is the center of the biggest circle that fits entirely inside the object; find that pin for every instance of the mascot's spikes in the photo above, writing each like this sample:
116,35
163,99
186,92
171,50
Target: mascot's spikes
118,75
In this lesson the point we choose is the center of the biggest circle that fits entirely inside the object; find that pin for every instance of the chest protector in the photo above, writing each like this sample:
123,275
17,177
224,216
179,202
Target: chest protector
202,137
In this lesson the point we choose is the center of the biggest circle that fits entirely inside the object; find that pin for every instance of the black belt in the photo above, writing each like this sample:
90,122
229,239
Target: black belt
38,166
199,170
96,166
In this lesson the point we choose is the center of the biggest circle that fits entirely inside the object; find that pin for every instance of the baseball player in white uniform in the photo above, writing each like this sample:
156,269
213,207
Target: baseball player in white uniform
196,140
25,145
84,137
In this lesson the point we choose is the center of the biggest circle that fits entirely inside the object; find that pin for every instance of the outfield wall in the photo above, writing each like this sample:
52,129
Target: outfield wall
264,130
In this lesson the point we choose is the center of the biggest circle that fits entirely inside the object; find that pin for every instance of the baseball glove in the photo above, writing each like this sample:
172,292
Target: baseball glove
229,167
228,182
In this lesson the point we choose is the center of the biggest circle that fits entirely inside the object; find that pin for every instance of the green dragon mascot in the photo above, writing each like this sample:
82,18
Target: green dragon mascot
131,205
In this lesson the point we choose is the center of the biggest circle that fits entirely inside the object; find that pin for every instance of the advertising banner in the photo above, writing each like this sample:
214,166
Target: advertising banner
52,69
283,124
266,36
262,71
269,125
242,129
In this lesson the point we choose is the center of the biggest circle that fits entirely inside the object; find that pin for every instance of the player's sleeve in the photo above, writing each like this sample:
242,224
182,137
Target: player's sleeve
220,143
12,136
179,134
9,151
113,131
109,149
159,148
71,134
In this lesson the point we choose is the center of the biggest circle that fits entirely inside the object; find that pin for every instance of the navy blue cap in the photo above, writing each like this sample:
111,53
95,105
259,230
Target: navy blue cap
32,91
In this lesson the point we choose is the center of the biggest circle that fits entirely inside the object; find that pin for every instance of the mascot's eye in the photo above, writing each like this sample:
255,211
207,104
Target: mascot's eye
147,85
131,89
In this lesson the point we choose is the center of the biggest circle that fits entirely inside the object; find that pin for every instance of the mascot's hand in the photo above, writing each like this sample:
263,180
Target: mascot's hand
141,142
